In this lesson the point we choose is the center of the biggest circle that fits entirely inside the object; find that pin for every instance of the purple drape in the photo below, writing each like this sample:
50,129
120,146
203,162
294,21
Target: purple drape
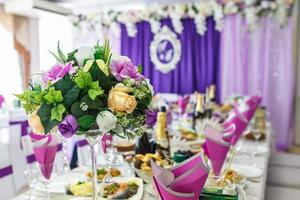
260,63
199,64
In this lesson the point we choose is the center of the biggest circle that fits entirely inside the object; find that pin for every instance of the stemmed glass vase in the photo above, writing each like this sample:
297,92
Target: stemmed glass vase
93,137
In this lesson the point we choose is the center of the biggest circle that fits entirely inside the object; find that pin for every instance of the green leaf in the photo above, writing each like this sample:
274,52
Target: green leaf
140,69
83,79
71,57
76,110
107,82
88,65
61,54
107,51
92,104
45,114
102,66
53,96
71,96
86,121
57,112
57,58
64,85
95,90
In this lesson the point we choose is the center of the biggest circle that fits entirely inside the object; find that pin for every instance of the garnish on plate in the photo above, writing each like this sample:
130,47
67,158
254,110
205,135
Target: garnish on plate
123,190
101,173
81,188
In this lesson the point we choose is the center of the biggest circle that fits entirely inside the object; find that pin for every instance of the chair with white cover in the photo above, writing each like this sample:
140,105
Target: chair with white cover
7,189
18,127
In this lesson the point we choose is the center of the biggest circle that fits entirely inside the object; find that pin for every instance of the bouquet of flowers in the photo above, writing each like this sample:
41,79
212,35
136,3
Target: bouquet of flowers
89,88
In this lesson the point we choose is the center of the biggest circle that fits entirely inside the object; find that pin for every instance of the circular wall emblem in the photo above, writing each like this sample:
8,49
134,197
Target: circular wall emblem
165,50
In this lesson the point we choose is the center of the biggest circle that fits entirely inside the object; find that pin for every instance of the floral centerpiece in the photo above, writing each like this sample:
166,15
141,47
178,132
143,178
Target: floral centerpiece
89,91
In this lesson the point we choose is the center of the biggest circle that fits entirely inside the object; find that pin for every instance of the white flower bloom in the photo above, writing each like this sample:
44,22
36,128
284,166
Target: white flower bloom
106,121
200,22
116,57
84,53
131,29
155,25
149,86
230,8
251,17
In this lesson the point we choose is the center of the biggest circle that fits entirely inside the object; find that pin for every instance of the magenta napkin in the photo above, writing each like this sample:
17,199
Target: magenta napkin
241,116
184,181
45,150
215,148
182,103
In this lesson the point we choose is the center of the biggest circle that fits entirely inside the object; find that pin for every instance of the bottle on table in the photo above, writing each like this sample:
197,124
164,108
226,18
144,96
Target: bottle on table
162,136
144,145
199,112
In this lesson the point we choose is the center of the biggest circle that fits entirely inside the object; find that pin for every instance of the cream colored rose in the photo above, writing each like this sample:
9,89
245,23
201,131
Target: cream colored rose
119,100
36,124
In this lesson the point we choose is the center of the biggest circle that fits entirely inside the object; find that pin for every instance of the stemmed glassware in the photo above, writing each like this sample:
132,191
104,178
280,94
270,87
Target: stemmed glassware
31,177
113,158
45,150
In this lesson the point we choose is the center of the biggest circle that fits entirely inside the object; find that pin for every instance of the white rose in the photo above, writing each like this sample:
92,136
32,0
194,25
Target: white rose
116,57
84,53
106,121
149,86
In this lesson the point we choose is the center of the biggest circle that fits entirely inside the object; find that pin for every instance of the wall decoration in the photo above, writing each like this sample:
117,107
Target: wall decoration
165,50
252,10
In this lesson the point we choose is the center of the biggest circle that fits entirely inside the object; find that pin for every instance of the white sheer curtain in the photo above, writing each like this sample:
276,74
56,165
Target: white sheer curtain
260,62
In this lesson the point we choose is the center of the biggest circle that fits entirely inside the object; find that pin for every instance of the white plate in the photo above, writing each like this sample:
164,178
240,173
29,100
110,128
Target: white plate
260,150
248,171
139,181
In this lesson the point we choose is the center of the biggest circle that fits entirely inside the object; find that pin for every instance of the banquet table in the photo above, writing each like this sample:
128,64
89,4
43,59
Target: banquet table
254,189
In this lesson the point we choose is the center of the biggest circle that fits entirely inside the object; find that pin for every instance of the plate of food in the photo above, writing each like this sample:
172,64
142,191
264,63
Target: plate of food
80,189
123,188
120,188
250,172
188,134
101,173
142,164
236,178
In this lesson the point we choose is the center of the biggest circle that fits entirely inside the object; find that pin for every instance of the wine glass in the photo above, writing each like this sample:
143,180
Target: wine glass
257,134
45,150
31,178
113,157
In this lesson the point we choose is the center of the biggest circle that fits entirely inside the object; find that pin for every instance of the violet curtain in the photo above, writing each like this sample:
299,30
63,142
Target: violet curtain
260,62
199,62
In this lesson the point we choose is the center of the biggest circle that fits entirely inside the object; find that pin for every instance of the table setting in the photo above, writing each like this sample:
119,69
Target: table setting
149,147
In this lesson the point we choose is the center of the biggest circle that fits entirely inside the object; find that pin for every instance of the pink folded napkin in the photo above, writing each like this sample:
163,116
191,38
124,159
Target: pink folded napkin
215,148
45,148
241,116
182,103
182,182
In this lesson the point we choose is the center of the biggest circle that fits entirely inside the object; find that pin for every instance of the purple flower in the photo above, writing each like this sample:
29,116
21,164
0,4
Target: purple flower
151,118
68,126
56,72
122,68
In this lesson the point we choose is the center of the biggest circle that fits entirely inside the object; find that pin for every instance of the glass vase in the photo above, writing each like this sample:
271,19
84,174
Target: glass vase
93,137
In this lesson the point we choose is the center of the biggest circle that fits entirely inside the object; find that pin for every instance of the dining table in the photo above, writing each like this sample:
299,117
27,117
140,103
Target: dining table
245,161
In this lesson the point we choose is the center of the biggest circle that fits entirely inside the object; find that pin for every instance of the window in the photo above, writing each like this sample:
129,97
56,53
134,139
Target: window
11,74
53,28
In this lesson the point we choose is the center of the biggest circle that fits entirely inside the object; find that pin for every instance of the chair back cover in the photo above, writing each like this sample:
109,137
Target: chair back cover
7,182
